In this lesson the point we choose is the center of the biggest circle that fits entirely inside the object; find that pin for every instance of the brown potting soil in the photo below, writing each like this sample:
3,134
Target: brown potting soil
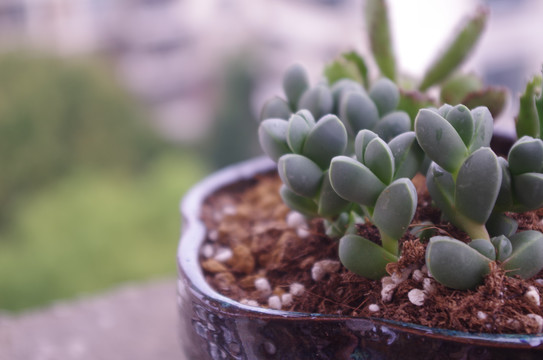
247,221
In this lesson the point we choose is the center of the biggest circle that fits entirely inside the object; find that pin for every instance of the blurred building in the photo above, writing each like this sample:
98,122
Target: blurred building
171,53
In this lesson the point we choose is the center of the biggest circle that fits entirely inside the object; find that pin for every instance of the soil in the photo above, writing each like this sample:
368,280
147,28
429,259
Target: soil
251,240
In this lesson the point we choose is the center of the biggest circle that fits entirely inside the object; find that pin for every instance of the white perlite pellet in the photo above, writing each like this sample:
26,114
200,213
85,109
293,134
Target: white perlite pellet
428,285
297,289
387,292
324,267
295,219
373,308
538,319
263,285
481,315
274,302
223,255
249,302
387,280
207,251
418,275
229,210
286,299
416,297
213,235
539,281
532,295
302,232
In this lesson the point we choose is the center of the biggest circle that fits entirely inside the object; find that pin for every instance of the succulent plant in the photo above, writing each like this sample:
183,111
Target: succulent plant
471,185
346,151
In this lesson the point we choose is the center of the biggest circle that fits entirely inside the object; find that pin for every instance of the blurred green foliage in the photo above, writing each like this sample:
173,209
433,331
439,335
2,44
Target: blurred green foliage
57,113
88,192
91,230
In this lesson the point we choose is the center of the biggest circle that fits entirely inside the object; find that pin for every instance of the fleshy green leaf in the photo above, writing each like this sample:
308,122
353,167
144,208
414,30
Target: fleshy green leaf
298,129
484,247
492,97
457,87
272,134
358,111
526,259
394,211
484,128
386,96
528,190
364,257
275,108
455,264
505,195
392,125
379,36
360,64
340,90
295,83
439,140
526,155
412,101
318,100
460,118
408,155
361,141
456,51
503,247
327,139
440,185
330,204
298,203
528,121
378,158
477,185
499,224
300,174
353,181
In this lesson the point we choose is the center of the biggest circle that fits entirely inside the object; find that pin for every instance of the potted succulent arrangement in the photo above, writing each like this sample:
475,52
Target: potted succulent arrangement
389,224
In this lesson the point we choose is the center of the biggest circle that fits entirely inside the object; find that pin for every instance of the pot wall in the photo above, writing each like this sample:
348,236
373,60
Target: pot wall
215,327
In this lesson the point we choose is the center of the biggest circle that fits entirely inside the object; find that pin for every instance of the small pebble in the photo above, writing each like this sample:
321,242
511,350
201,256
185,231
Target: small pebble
418,275
295,219
223,255
286,299
249,302
539,282
324,267
387,292
297,289
229,210
481,315
416,297
538,319
213,235
373,308
532,295
428,286
302,232
387,280
207,251
263,285
274,302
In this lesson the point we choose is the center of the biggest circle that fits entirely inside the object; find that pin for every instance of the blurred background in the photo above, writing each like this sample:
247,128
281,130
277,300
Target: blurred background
111,109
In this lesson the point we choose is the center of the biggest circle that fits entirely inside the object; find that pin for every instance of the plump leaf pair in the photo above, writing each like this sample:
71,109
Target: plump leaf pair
464,266
303,149
464,179
377,180
529,121
375,110
522,183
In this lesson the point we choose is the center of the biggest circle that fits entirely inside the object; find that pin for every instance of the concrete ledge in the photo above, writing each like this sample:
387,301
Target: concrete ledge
134,321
